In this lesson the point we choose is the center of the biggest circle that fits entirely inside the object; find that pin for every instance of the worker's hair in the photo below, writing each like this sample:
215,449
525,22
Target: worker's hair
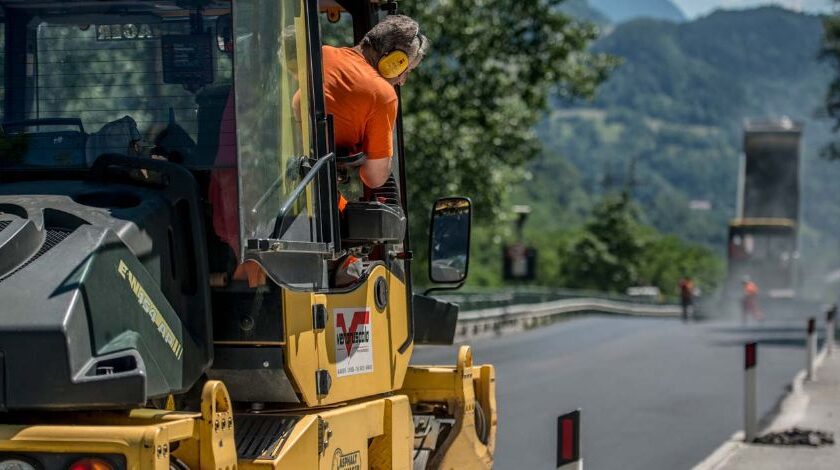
394,32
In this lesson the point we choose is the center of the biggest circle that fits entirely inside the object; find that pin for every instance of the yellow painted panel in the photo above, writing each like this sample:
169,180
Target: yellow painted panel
308,350
139,442
388,331
346,432
301,354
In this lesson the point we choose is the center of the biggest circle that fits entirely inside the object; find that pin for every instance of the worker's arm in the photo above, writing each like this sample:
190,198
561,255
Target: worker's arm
375,172
379,139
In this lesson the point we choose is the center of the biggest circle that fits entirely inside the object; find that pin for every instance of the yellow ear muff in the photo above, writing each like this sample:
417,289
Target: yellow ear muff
393,64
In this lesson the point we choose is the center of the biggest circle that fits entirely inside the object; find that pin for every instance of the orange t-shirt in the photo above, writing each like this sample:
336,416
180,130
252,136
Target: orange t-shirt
363,104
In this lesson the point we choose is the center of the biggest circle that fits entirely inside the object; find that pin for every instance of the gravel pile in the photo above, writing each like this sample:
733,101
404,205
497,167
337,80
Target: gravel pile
797,437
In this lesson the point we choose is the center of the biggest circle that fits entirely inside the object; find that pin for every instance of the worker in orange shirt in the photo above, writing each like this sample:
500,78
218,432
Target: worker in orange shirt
749,301
359,92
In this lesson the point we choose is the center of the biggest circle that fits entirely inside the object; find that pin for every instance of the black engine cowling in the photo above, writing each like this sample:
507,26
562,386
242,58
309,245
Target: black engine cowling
104,299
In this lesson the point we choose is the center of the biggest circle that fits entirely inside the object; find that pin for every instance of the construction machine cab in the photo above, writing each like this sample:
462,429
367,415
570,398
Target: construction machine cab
150,150
168,224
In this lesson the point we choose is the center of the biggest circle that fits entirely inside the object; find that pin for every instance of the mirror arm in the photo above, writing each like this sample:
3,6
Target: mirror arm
444,288
301,186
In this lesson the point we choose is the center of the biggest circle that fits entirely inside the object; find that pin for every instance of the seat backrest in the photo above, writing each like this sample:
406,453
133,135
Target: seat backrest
114,137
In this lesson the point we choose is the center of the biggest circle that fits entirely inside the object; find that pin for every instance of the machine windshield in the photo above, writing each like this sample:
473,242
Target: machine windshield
155,80
271,97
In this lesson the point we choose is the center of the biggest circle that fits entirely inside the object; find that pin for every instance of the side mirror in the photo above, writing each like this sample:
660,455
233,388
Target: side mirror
449,240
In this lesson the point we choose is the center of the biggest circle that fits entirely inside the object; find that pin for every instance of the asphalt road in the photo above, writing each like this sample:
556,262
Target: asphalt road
654,393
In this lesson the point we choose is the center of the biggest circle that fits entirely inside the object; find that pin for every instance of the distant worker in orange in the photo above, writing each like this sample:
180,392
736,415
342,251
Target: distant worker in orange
687,297
749,302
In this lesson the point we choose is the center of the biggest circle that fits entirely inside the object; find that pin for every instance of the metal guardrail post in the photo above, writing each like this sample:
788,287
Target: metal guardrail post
811,347
750,408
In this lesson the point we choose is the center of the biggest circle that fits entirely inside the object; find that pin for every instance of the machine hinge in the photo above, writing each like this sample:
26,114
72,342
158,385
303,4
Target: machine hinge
324,435
323,382
319,316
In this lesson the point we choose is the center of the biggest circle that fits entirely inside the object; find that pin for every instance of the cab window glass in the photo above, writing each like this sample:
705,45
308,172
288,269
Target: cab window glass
272,112
2,70
101,84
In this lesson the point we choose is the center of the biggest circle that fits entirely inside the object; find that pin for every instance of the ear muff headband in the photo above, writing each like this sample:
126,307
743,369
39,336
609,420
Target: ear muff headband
393,64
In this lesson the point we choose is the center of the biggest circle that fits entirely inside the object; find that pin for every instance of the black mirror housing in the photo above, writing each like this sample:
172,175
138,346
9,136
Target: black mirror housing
449,240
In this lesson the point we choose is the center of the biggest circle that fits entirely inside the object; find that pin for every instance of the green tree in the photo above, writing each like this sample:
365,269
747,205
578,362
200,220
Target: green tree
615,251
667,258
608,253
472,105
831,53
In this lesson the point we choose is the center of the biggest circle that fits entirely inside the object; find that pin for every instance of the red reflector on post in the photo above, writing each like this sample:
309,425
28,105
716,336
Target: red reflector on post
568,438
567,446
750,355
812,325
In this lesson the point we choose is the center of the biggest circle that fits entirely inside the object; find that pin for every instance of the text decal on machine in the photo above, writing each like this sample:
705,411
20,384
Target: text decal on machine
353,341
151,310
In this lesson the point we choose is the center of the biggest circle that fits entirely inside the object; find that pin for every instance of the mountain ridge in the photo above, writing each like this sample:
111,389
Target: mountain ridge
623,10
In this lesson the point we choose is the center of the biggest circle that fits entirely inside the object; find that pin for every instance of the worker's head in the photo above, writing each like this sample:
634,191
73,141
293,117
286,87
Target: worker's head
395,46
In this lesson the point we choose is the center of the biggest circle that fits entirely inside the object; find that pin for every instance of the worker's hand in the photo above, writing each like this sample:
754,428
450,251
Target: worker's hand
375,172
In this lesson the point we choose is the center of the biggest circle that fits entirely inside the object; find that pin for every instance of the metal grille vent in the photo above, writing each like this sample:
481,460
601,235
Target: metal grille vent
261,436
4,224
388,193
53,238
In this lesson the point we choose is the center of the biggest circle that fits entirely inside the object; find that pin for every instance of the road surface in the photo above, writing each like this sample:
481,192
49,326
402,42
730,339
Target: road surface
655,393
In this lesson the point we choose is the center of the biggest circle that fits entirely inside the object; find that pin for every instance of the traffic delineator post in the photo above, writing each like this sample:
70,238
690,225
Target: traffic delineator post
568,442
750,410
811,348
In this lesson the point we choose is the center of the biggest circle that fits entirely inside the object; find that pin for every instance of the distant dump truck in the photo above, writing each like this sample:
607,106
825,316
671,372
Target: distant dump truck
762,241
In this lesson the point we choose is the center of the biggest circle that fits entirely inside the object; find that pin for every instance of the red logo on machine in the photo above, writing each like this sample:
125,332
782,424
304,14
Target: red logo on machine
353,342
354,336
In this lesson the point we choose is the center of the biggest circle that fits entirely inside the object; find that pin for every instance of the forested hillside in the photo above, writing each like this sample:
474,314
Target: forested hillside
667,125
581,10
623,10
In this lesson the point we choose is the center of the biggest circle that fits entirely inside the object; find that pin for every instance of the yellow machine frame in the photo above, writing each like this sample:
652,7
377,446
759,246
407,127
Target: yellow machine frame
362,421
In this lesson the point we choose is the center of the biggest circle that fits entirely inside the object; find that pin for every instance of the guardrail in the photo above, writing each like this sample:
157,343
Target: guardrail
523,316
484,298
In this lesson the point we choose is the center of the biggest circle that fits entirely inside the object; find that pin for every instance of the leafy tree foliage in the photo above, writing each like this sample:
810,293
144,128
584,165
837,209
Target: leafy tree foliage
667,258
615,251
473,103
831,53
607,255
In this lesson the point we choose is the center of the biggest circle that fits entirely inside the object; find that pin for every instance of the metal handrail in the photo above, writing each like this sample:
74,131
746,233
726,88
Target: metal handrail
295,194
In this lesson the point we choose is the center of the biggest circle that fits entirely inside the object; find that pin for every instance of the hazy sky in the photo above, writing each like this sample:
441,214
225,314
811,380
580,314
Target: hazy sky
694,8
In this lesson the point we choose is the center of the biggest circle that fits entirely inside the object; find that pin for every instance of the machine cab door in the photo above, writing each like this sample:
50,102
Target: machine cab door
288,213
286,174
